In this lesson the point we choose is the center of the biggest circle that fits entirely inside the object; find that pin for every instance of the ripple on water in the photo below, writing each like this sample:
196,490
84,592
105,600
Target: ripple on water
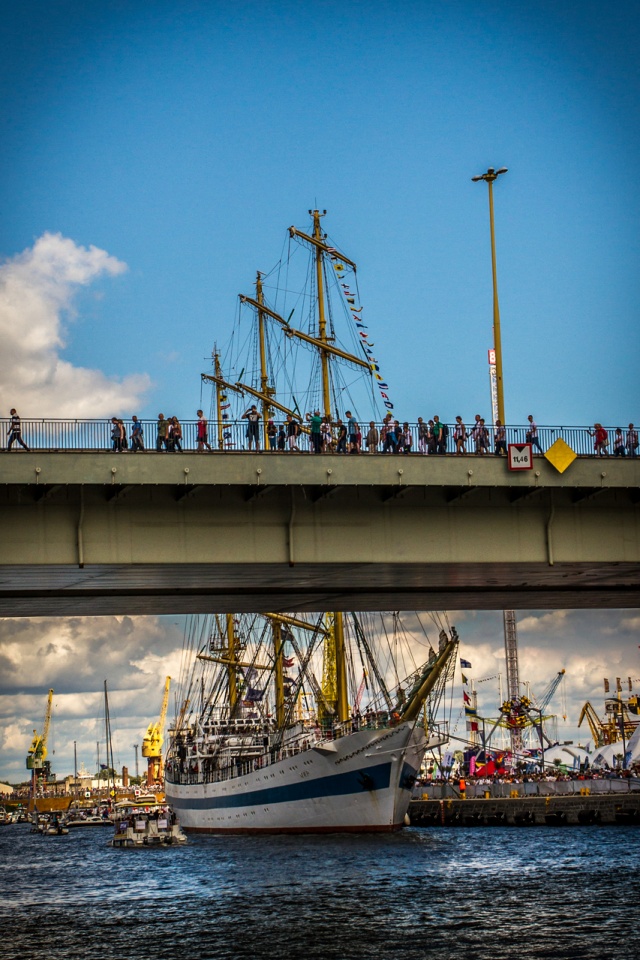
526,893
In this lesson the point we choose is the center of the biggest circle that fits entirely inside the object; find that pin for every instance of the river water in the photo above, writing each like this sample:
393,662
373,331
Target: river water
488,894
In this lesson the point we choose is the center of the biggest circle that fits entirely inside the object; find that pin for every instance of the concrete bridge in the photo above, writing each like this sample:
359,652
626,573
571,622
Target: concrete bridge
103,533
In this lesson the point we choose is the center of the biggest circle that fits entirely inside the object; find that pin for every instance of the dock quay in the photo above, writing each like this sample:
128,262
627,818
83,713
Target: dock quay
570,810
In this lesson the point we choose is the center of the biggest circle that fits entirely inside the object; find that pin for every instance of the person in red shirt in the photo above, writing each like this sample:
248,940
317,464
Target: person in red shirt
601,440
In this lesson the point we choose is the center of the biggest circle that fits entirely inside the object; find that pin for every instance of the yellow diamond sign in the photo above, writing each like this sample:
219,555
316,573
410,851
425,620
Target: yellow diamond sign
560,455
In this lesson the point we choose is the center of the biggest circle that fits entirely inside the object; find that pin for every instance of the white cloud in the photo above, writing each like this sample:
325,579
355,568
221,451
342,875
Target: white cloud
547,622
74,656
37,290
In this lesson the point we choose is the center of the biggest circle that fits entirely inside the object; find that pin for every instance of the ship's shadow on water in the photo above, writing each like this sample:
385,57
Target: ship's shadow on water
489,894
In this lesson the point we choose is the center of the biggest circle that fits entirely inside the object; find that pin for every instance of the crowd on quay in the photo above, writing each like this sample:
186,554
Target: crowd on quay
549,775
320,434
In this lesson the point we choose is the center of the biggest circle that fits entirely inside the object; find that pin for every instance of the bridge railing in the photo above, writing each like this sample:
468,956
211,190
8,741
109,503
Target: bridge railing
67,435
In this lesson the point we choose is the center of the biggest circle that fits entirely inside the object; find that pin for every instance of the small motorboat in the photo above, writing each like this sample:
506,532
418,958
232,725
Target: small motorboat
143,822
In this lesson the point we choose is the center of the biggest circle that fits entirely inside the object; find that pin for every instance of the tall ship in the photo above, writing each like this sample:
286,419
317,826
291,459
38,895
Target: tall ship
303,723
292,722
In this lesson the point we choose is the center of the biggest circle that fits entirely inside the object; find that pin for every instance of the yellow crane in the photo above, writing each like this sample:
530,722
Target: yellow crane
153,740
37,752
598,732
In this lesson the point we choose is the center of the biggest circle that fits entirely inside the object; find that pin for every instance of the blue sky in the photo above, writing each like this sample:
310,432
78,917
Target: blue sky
184,138
154,155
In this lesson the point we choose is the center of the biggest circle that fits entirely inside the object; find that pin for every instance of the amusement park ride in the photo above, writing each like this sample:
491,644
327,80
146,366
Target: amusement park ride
523,717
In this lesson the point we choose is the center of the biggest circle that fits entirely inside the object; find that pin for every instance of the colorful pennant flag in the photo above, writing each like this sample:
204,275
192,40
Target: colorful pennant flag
350,298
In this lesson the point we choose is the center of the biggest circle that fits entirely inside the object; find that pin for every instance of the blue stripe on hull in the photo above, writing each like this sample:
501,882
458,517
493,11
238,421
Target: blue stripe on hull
336,785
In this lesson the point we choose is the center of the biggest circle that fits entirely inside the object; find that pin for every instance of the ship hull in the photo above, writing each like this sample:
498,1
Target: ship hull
359,783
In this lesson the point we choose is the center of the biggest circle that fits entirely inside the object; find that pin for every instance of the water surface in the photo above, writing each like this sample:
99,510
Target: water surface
490,894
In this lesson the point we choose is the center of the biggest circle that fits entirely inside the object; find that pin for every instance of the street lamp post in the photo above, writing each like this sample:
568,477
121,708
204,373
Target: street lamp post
489,177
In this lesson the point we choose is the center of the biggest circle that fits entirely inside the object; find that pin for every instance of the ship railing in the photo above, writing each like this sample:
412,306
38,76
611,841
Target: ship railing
374,720
91,435
437,730
236,764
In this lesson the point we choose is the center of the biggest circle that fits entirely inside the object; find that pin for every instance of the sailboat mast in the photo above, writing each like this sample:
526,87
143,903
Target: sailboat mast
322,323
264,380
218,372
231,666
111,774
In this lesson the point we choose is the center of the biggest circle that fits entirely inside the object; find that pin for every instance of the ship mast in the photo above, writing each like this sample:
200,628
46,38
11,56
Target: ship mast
231,666
341,669
276,628
219,389
264,379
322,323
326,349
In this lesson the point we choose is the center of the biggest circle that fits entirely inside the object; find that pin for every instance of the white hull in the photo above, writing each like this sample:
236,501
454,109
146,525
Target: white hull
361,782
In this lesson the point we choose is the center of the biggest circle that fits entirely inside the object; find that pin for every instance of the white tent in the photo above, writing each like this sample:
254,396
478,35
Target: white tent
606,756
568,755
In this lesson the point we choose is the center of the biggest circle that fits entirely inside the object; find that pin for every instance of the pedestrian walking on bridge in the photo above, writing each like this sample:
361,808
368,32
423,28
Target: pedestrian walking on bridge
15,431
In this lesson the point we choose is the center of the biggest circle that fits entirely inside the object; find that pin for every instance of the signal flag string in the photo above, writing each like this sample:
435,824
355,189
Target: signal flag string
362,329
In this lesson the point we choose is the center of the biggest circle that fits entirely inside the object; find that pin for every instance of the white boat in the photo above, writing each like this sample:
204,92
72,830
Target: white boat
143,823
238,766
49,825
91,820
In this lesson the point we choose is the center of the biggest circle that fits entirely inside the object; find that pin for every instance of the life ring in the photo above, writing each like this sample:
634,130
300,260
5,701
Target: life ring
136,793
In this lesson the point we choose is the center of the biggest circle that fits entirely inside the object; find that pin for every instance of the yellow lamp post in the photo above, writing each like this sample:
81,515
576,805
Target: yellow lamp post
489,177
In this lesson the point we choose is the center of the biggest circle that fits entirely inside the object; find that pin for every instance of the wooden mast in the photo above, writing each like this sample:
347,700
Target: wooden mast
231,666
264,379
219,388
278,672
341,669
322,323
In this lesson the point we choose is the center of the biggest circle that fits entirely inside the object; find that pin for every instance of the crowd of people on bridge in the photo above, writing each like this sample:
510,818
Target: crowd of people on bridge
320,434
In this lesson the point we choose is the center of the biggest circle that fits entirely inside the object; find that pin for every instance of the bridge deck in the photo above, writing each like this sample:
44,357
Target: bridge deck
164,533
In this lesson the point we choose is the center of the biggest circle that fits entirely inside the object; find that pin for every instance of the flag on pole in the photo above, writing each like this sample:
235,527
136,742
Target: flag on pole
465,663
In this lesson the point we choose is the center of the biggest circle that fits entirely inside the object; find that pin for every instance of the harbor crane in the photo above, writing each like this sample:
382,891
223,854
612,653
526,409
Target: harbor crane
598,733
609,730
154,738
37,752
549,691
